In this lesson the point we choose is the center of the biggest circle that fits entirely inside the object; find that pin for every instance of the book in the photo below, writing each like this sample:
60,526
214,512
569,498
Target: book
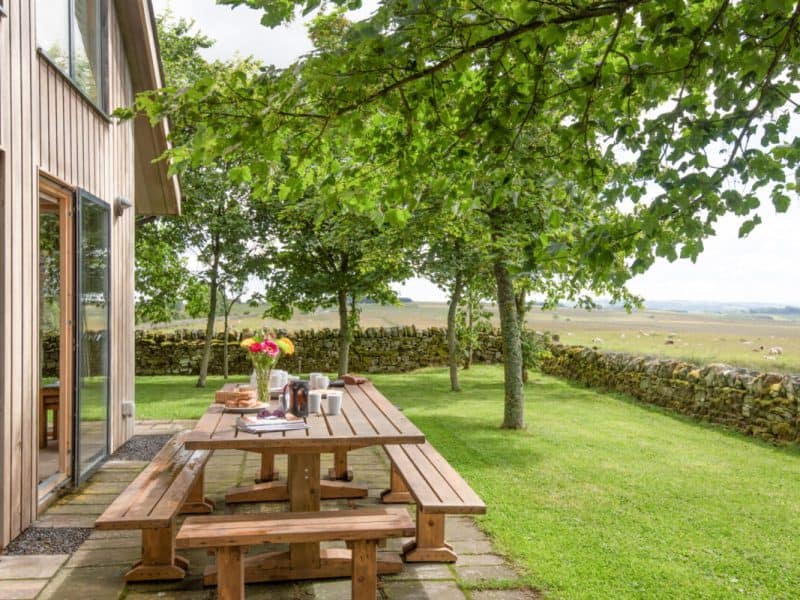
268,424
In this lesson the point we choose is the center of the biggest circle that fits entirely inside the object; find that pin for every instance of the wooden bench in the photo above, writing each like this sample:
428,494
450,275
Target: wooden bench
421,474
171,484
230,535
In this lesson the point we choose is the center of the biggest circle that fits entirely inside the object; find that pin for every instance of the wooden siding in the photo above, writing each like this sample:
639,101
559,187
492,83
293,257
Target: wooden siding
48,127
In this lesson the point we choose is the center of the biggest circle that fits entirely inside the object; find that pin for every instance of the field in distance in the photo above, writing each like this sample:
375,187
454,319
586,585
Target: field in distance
735,338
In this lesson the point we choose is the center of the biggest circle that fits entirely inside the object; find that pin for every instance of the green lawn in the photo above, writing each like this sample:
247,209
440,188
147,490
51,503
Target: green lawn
600,497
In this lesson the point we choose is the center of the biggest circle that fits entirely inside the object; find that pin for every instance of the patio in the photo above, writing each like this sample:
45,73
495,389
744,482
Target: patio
95,570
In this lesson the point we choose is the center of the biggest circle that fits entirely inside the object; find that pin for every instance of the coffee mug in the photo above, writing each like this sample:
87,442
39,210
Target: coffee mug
322,382
314,401
334,402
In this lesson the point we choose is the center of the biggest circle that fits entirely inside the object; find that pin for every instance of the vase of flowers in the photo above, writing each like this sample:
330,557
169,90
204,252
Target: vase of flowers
264,351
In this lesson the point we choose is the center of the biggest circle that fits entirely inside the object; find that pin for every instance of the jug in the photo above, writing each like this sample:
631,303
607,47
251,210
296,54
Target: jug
296,393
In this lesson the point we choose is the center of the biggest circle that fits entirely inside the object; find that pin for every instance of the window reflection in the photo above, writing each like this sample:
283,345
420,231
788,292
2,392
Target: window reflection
79,24
88,56
52,31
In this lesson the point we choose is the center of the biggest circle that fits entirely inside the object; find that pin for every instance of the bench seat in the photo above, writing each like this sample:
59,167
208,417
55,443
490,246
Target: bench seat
230,535
170,485
420,474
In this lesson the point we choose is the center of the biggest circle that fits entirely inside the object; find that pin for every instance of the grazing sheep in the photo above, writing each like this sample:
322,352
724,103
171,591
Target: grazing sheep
597,340
775,351
669,342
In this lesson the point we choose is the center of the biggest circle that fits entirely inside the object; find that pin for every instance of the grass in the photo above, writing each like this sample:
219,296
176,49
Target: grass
175,397
600,497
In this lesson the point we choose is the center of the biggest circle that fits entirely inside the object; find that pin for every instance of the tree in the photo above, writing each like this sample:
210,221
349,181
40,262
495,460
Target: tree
330,262
611,106
454,257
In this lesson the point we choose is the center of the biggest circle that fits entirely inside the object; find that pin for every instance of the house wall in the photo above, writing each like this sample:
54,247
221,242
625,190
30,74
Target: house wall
47,127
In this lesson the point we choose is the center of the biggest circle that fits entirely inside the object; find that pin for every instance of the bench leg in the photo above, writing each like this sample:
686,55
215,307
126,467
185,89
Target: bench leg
196,503
398,491
230,573
266,471
365,570
429,545
159,560
339,470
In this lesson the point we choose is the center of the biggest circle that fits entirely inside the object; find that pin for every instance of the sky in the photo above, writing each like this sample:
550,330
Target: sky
760,268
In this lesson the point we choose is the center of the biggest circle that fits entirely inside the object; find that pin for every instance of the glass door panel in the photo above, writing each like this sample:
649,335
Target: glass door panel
93,302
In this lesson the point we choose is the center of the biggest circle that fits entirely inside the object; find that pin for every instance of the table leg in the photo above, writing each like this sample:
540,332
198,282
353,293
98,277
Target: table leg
339,470
304,496
266,471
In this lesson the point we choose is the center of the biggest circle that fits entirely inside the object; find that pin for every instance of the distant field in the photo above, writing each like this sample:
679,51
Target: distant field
702,338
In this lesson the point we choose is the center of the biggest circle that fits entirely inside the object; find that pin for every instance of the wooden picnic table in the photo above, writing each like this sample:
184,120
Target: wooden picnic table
367,418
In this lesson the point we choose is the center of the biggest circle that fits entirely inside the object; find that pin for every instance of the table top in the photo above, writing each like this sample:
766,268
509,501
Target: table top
367,418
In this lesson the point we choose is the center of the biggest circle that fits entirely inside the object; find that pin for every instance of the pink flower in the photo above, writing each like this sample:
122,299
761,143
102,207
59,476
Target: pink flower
256,347
271,348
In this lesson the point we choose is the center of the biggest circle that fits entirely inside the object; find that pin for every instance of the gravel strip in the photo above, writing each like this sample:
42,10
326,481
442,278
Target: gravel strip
141,447
49,540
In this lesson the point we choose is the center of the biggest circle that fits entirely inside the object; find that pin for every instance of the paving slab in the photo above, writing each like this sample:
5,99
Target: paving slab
421,589
32,566
475,573
21,589
505,595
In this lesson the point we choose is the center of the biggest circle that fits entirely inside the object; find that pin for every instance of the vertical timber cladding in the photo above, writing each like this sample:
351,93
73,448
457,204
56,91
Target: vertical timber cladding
48,127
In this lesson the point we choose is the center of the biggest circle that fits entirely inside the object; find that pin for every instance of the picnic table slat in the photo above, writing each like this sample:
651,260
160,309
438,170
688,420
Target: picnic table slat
439,483
355,416
457,482
403,423
372,411
413,477
293,527
152,477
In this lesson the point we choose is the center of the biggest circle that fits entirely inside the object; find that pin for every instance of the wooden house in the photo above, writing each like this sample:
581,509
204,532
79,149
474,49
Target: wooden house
72,182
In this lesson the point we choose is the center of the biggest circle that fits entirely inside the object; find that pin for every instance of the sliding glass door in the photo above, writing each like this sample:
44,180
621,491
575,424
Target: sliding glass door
93,237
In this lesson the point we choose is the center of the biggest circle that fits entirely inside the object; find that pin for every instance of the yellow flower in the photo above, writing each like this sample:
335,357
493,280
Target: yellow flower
247,343
286,345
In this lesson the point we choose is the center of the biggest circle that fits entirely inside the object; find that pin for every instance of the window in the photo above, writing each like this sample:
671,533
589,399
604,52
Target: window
71,33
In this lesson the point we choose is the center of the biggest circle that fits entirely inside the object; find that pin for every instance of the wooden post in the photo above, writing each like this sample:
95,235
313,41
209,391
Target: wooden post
304,496
267,470
196,503
230,573
159,560
339,471
429,545
398,490
365,570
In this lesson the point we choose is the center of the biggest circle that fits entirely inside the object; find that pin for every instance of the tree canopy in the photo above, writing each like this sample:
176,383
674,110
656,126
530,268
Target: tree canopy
592,135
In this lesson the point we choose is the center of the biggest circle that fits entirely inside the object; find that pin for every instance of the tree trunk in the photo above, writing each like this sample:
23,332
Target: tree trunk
470,325
212,315
344,334
514,409
225,347
519,301
452,340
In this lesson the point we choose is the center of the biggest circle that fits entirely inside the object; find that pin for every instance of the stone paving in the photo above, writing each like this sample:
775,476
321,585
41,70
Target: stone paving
95,570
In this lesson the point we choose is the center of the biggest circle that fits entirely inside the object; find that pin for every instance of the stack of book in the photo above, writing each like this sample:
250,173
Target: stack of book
268,424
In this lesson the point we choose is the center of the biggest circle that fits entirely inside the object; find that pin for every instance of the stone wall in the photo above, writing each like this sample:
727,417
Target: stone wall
764,405
385,350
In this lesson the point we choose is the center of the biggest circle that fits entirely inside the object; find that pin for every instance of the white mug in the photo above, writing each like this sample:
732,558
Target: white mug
312,380
314,401
322,382
334,402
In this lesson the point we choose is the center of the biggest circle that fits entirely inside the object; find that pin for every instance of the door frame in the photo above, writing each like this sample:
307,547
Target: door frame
56,191
78,477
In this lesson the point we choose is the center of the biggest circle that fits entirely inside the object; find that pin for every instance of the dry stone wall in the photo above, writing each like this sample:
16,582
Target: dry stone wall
373,350
764,405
